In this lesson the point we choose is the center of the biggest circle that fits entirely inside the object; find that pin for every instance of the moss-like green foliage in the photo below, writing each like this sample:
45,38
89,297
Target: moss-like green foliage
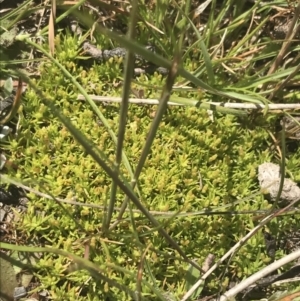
195,163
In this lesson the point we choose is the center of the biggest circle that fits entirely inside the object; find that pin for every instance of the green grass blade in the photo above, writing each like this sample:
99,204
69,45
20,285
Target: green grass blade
63,15
163,103
129,64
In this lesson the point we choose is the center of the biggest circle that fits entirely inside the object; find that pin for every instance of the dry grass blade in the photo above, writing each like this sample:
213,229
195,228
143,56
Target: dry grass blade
140,274
289,297
284,83
51,31
233,250
291,33
259,275
232,105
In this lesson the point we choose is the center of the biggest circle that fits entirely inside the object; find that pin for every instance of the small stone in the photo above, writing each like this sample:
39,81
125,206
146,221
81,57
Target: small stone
267,172
4,195
92,51
2,214
269,180
20,292
5,131
291,126
9,217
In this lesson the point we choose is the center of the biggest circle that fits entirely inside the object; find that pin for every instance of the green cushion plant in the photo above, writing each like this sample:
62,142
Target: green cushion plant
197,165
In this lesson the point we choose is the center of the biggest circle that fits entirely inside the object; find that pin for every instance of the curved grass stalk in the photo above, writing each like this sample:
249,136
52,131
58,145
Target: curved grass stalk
81,89
158,214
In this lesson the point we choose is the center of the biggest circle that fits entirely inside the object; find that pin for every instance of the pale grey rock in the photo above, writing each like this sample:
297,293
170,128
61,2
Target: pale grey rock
20,292
269,180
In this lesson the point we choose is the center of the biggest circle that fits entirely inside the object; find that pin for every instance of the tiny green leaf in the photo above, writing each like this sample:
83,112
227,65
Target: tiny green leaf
8,86
191,277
